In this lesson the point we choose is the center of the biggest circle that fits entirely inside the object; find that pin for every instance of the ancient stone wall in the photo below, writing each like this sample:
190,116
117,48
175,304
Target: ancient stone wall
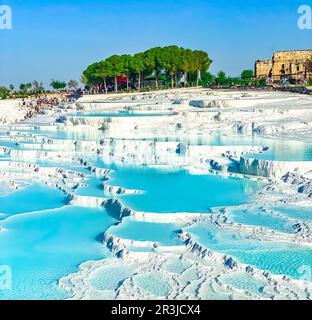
285,64
263,68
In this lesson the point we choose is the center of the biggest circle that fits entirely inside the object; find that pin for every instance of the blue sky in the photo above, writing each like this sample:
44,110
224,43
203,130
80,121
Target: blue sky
58,39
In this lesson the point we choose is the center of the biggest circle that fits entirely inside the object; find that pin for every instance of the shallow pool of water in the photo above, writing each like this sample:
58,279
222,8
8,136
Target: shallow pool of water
153,283
163,233
44,246
26,199
295,212
111,277
286,151
178,191
277,258
259,217
43,240
118,114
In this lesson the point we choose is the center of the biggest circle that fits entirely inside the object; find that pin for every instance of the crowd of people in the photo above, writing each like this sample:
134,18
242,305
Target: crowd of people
42,103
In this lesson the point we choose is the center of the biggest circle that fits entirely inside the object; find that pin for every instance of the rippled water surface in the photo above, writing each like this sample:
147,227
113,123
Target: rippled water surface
43,238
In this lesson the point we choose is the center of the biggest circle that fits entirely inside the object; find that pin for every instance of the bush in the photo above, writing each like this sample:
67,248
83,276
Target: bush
207,79
247,75
4,93
222,79
260,82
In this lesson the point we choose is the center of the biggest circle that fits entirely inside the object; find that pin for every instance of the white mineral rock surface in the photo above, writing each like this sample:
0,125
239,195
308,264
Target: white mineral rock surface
11,111
203,131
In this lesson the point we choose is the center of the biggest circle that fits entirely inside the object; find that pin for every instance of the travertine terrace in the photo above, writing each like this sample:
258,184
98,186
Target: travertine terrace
251,136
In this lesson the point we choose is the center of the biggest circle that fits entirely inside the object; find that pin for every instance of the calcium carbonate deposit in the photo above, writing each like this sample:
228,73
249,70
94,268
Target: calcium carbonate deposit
179,194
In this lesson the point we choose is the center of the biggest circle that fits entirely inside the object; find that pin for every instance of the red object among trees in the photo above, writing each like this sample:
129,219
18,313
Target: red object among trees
121,80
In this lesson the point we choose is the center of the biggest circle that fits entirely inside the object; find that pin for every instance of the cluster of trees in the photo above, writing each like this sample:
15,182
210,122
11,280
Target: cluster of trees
246,78
4,93
35,88
24,90
62,85
169,64
221,79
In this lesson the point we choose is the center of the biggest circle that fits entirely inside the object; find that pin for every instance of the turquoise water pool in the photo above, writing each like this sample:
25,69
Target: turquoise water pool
178,191
62,134
296,212
162,233
154,283
92,186
42,247
277,258
110,278
291,261
117,114
260,217
42,239
244,281
278,149
26,200
286,151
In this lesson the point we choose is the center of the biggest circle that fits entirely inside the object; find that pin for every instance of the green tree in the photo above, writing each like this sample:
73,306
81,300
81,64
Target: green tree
37,87
12,88
137,66
201,63
4,93
25,87
247,74
115,68
72,84
222,79
91,77
152,62
126,62
170,59
260,82
207,78
103,72
187,64
22,87
168,63
58,85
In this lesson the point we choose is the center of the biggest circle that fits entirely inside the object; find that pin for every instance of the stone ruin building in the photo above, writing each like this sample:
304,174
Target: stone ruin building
285,65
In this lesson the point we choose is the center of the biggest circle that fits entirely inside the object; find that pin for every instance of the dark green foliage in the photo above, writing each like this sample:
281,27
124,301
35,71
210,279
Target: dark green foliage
58,85
37,87
247,75
4,93
207,79
25,87
222,79
168,64
260,82
72,84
